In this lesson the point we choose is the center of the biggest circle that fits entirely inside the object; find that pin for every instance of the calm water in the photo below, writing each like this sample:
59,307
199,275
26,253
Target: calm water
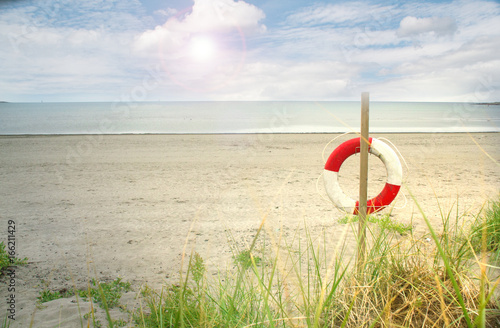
243,117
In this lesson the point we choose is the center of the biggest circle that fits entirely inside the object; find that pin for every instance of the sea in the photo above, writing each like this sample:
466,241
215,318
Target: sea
218,117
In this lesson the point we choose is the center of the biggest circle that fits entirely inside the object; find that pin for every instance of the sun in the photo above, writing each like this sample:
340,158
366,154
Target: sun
202,48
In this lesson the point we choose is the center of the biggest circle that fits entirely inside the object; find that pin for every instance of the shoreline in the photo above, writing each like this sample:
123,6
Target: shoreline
245,101
230,133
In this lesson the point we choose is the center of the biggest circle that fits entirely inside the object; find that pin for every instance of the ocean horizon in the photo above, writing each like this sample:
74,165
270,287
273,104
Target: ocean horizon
226,117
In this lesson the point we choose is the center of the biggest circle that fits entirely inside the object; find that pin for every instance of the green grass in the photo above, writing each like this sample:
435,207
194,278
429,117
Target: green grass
489,229
6,322
109,293
403,283
300,282
104,293
382,221
48,295
245,259
6,261
95,323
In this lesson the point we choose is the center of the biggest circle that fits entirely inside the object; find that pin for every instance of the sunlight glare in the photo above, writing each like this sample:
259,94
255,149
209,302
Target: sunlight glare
202,48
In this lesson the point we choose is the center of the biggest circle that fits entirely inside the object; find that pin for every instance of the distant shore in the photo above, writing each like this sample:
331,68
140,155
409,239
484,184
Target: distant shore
24,135
489,103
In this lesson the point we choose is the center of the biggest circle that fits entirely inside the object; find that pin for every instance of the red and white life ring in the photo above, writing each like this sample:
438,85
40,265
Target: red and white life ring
351,147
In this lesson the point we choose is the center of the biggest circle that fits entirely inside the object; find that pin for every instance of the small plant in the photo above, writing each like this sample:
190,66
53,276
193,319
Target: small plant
384,222
4,257
111,292
169,307
106,295
197,268
6,260
96,323
120,323
147,291
489,227
47,295
244,259
232,300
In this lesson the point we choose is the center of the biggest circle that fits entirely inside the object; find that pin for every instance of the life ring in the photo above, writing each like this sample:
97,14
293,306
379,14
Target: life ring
351,147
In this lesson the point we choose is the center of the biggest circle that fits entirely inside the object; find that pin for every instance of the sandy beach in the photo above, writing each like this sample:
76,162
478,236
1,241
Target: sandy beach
129,205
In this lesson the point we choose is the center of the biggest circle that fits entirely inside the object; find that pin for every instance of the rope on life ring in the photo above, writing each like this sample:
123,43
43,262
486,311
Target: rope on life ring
351,147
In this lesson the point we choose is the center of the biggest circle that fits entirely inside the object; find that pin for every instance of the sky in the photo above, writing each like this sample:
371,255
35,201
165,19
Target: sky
252,50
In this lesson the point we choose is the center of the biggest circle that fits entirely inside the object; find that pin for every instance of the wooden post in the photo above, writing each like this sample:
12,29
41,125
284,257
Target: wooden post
363,177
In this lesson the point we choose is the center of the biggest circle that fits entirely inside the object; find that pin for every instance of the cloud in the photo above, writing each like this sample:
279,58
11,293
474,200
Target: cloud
286,80
219,27
343,14
456,50
413,26
412,51
204,17
223,15
166,12
47,50
321,14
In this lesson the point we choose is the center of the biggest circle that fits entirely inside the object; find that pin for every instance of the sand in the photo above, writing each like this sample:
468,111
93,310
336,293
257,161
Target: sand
129,205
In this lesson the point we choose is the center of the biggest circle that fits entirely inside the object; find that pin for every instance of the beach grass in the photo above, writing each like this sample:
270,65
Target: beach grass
6,260
488,229
384,221
106,295
99,292
445,278
434,280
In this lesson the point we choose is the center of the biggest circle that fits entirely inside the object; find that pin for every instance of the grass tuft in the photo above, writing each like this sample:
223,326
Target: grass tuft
244,259
405,282
48,295
109,293
491,226
382,221
6,260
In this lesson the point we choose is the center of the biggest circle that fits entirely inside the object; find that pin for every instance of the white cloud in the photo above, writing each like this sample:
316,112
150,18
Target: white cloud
412,51
224,16
223,25
437,61
401,56
321,14
411,26
439,72
46,51
470,84
166,12
285,80
346,13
